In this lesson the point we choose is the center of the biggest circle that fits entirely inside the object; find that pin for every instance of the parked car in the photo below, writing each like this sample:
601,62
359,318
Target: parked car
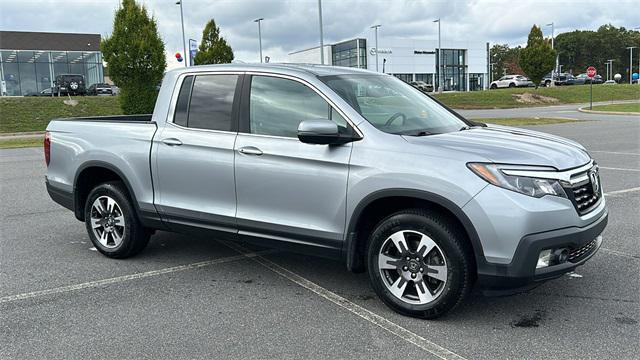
422,86
584,79
511,81
45,92
559,79
610,82
70,84
100,89
336,162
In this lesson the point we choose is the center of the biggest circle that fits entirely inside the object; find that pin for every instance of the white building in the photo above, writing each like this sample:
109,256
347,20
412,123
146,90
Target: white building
465,62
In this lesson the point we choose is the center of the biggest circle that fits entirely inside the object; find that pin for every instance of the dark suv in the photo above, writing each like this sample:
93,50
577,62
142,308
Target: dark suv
70,84
100,89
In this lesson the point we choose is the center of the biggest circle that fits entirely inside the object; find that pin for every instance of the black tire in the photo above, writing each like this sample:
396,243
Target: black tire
493,86
134,236
547,83
454,247
512,85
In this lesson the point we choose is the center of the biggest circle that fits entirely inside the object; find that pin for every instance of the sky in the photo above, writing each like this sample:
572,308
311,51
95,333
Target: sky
291,25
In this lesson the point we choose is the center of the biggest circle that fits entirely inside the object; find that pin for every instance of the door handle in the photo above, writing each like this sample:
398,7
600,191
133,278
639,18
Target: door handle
172,141
250,150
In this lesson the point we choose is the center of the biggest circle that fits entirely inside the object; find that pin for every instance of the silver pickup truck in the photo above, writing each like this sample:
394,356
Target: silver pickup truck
336,162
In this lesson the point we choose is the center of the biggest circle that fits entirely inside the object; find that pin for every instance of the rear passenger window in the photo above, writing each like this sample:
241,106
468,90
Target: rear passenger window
182,105
212,102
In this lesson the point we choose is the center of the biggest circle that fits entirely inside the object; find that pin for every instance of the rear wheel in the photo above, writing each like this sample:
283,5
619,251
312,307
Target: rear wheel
419,264
494,86
511,85
112,223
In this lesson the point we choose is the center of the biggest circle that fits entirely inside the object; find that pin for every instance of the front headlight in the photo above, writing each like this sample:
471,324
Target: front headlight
531,186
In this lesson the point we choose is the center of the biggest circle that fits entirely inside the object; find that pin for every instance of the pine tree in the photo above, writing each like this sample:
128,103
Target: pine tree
213,48
538,58
135,56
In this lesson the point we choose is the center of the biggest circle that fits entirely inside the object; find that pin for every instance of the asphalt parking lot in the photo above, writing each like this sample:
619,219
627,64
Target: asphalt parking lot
187,297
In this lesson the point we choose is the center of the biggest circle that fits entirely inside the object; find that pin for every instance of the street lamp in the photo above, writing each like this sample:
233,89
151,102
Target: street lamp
552,47
440,65
375,27
259,36
630,48
184,42
321,35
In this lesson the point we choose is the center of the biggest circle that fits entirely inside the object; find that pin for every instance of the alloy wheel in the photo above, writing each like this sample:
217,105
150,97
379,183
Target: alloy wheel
107,222
413,267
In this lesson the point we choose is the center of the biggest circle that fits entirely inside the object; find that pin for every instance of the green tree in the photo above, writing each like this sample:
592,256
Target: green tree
135,56
505,59
213,48
538,58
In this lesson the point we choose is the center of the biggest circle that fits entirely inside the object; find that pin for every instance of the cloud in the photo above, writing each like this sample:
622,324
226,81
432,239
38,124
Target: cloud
291,25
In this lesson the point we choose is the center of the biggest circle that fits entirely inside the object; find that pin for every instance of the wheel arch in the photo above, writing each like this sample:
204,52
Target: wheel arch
381,203
92,173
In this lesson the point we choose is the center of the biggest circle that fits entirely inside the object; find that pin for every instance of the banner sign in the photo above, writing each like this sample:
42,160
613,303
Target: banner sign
193,49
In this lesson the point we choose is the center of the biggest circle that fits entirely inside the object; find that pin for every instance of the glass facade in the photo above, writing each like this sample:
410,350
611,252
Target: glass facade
28,72
352,53
476,82
404,77
427,78
453,69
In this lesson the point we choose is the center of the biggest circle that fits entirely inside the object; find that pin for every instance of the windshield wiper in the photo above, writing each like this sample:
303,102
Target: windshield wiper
418,133
467,127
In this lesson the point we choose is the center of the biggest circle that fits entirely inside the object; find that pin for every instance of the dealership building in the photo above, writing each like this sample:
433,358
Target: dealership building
464,63
30,61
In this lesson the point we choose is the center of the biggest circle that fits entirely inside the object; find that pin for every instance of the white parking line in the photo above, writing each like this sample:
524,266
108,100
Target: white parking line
354,308
612,152
620,253
623,191
120,279
620,169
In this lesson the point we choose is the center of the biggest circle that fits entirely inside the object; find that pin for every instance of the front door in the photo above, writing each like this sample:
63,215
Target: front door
194,154
288,190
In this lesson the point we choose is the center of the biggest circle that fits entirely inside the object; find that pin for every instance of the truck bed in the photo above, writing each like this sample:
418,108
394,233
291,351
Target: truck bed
111,118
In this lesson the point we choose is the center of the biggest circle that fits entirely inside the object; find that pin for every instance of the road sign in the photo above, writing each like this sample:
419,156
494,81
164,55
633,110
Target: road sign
591,71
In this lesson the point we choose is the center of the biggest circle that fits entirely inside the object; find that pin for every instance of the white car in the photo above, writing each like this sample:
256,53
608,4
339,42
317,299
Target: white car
511,81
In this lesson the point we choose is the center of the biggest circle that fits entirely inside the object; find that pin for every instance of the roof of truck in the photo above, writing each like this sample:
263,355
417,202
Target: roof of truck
308,69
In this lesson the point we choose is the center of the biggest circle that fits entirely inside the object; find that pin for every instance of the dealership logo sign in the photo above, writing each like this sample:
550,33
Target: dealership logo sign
372,51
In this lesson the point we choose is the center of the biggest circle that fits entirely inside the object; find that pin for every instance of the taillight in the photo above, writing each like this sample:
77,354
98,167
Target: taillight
47,147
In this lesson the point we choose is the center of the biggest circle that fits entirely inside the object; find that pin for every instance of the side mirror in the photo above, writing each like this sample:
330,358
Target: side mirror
323,132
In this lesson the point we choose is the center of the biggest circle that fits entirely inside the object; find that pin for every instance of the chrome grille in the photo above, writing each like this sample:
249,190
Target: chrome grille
576,255
584,195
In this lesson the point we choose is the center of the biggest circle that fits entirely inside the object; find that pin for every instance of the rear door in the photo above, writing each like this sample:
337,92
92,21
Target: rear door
288,190
194,153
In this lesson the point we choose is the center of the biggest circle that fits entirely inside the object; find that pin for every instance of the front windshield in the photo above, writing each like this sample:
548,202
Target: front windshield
393,106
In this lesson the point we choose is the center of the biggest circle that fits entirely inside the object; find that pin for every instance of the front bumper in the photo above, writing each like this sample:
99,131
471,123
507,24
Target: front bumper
521,272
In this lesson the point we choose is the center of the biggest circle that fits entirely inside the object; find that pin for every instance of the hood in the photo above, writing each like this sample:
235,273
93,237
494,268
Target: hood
507,145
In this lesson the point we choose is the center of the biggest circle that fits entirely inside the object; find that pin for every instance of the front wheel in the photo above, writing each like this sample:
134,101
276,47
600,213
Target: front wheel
111,222
419,264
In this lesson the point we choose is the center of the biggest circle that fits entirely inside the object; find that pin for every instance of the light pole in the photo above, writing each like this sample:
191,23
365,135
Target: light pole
375,27
321,35
491,72
259,36
184,42
440,65
607,67
630,48
555,68
610,61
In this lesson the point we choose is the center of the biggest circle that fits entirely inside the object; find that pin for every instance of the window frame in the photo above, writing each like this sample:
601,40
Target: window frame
244,113
235,107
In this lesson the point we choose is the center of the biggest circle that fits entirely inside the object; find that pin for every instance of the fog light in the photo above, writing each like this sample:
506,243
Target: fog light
561,256
544,259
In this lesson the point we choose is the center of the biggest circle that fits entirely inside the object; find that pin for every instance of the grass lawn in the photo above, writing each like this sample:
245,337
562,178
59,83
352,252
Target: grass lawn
19,114
632,107
20,143
524,121
507,98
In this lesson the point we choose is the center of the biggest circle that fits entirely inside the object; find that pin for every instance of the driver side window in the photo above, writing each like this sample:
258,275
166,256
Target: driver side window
278,105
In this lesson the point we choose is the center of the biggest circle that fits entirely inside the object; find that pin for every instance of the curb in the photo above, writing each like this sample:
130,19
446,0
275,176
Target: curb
585,110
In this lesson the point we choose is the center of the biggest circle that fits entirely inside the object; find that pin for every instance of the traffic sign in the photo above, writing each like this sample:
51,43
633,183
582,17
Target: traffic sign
591,71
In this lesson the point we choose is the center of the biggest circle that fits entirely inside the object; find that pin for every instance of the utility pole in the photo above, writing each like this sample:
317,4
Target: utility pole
184,42
375,27
630,48
555,68
259,36
440,64
321,35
